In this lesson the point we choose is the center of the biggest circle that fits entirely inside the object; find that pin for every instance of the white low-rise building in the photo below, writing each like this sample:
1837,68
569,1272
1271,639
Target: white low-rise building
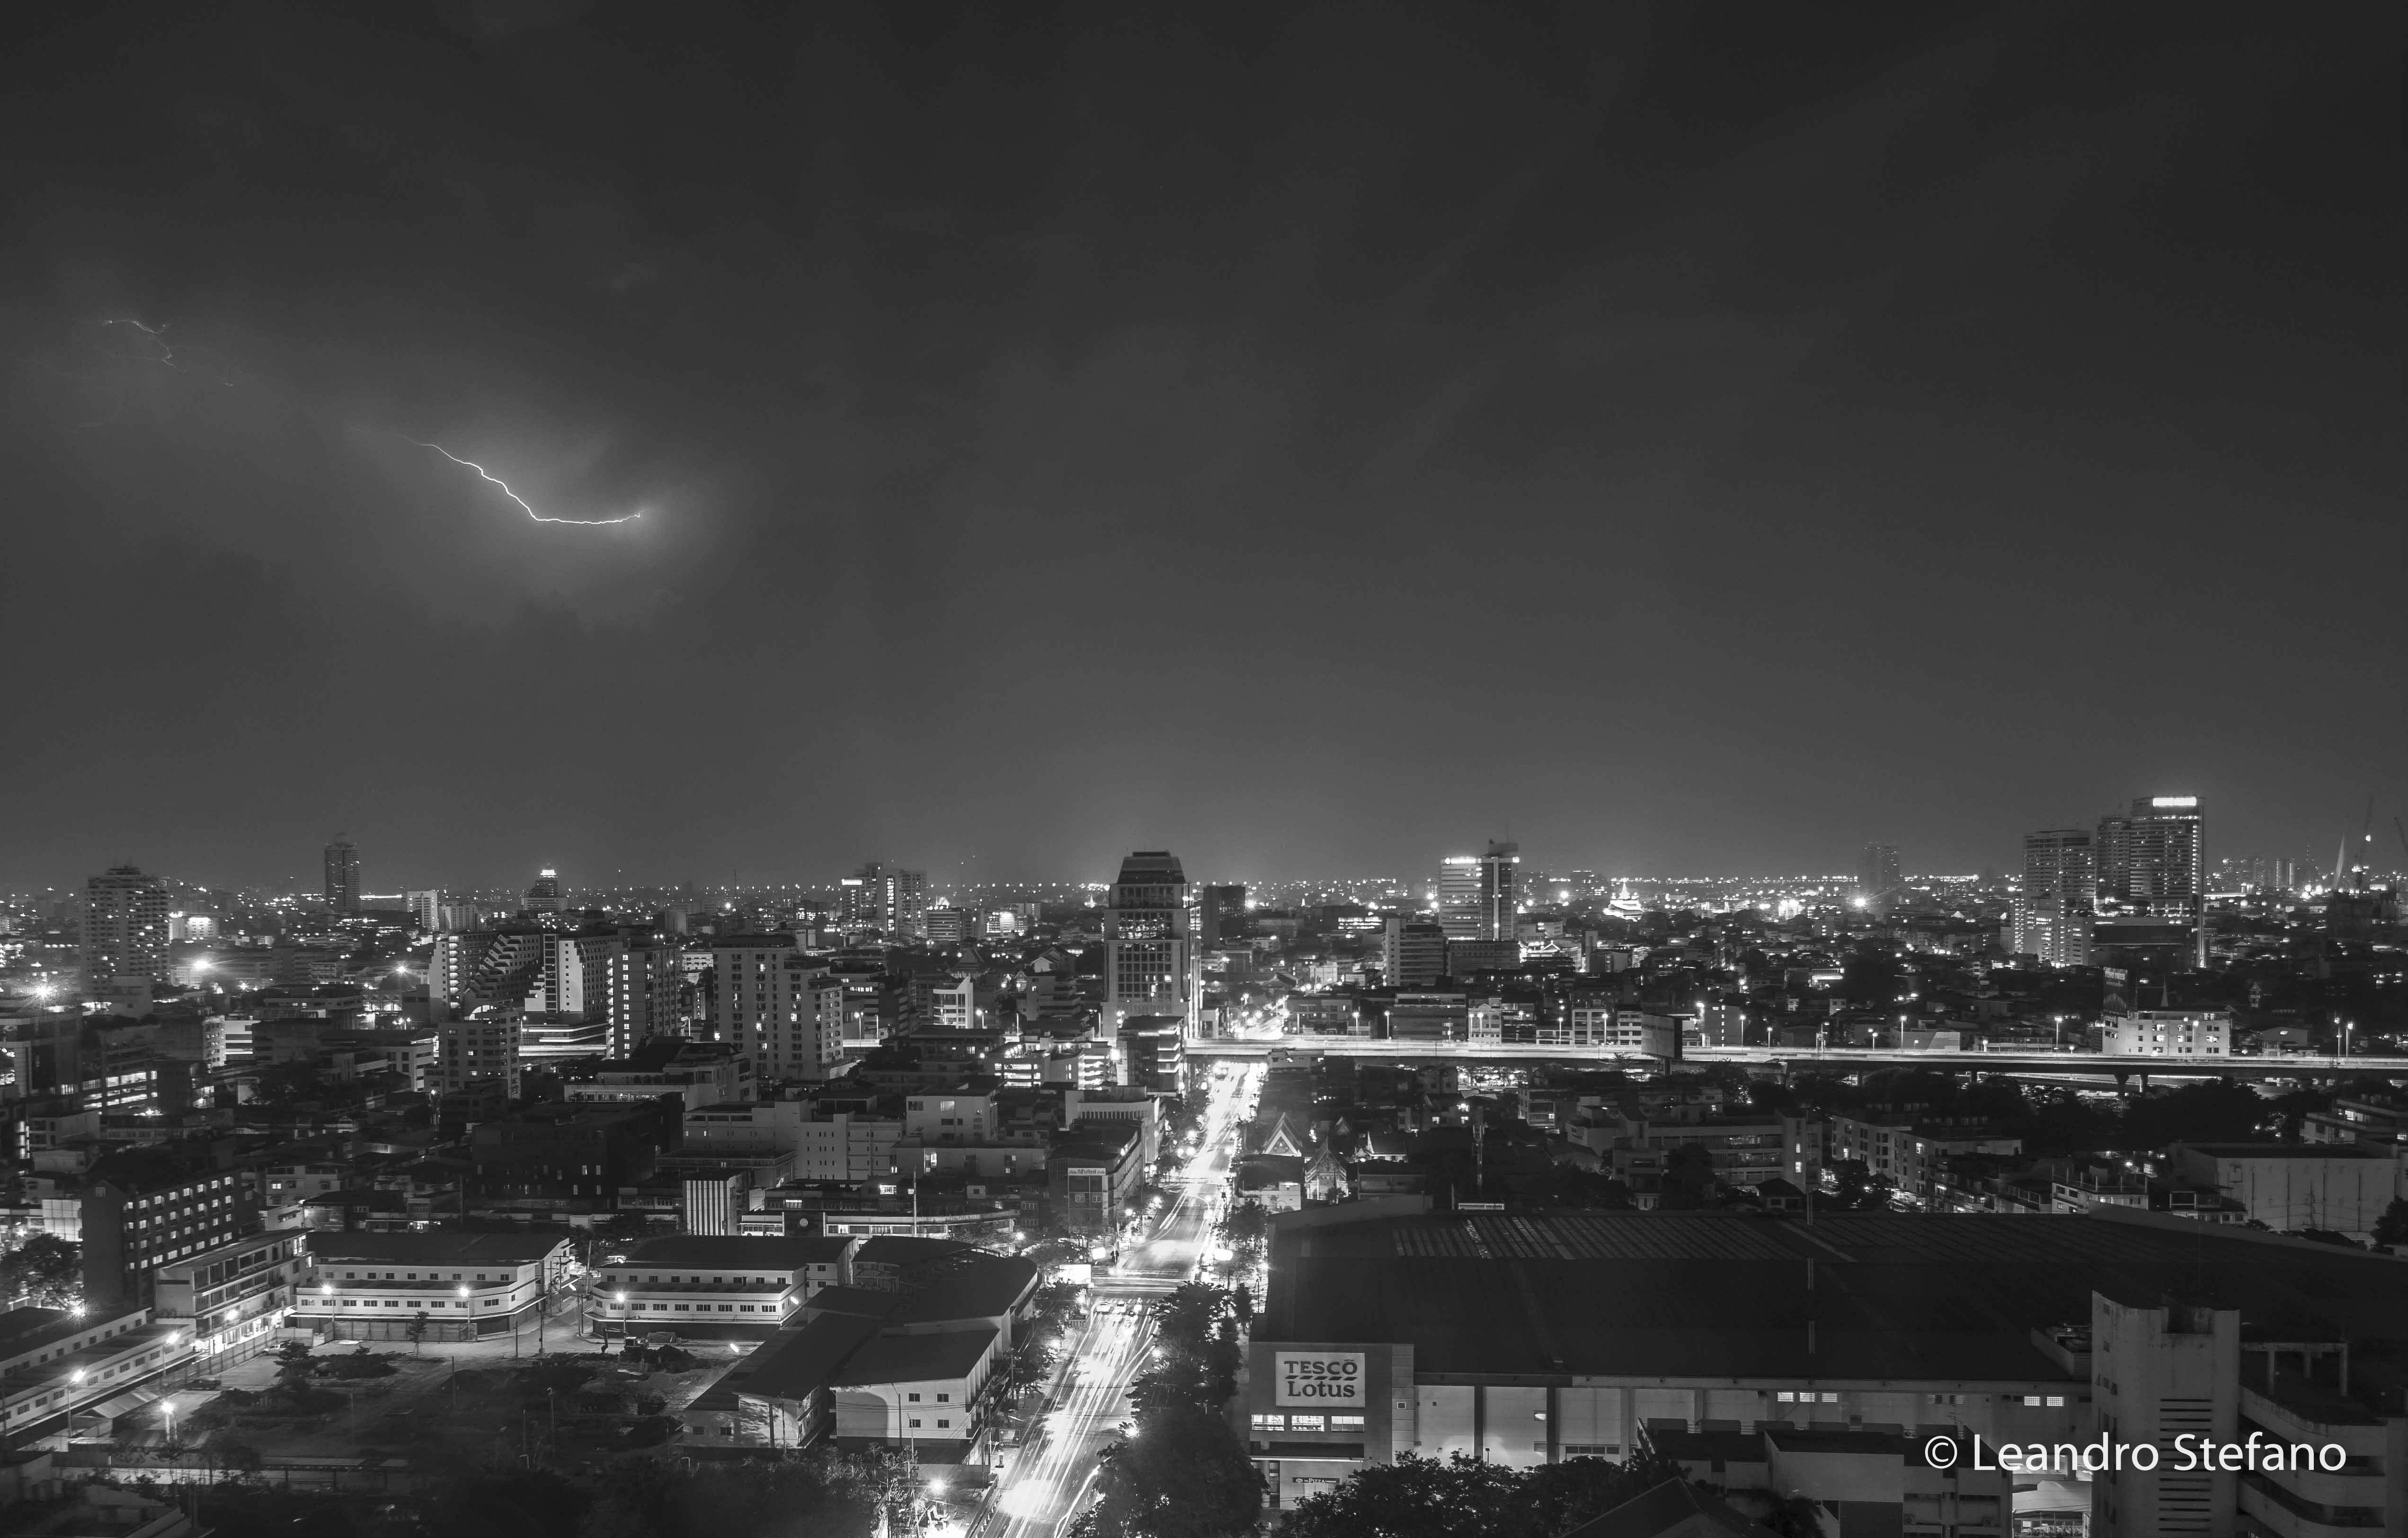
373,1287
57,1369
714,1287
2168,1033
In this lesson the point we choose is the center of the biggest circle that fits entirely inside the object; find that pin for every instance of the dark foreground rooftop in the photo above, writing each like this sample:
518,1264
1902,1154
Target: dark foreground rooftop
1730,1295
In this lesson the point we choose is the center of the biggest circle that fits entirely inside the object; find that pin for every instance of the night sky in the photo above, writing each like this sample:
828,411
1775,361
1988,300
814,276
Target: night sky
1308,439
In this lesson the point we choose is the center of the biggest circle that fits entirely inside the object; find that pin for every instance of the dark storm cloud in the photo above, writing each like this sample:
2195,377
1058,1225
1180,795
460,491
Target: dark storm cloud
1303,437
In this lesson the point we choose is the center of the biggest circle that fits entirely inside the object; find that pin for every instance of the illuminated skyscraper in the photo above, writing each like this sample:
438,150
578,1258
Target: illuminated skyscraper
2057,897
544,896
1477,893
2153,863
1877,871
1152,963
893,902
124,926
2153,860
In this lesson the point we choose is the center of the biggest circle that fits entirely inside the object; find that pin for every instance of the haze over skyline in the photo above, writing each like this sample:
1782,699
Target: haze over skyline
1309,440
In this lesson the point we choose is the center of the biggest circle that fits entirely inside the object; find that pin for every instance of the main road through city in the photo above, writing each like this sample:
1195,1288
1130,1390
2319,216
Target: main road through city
1046,1480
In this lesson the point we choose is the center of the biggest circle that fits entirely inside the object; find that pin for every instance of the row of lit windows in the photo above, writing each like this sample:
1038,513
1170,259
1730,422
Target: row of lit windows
1308,1423
639,1279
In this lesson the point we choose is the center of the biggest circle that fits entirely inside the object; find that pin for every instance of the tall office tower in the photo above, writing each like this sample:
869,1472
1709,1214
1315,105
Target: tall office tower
124,926
1877,871
544,896
1412,954
2057,897
1477,893
1218,909
1152,963
2153,862
343,877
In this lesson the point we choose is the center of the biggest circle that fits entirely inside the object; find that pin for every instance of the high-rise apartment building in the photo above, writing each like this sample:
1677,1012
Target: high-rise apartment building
1478,894
776,1004
2153,863
2057,897
640,992
892,901
1877,873
624,978
1152,963
124,926
2153,860
475,968
343,877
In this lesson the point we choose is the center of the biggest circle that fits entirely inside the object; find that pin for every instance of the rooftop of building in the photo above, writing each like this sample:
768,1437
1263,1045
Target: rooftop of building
800,1359
1104,1137
1675,1507
161,1164
768,1252
23,1328
1719,1448
981,1287
517,1246
916,1358
907,1250
1833,1440
1896,1296
2285,1150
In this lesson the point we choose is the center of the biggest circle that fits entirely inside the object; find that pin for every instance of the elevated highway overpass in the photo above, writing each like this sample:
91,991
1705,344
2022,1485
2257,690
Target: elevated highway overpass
1825,1059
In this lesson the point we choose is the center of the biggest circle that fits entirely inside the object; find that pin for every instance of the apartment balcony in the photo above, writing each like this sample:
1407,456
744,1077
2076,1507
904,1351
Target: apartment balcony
2280,1512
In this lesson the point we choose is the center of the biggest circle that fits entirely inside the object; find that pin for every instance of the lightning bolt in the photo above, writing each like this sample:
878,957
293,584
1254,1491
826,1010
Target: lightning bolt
583,523
157,334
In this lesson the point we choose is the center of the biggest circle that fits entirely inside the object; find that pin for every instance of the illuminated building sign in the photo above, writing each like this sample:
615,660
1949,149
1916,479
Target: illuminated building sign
1319,1377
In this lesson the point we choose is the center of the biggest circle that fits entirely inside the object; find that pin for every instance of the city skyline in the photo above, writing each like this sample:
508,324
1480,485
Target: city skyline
1218,772
1430,871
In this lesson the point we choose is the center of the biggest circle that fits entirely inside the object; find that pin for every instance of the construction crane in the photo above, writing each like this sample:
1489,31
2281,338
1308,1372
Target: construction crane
2365,840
